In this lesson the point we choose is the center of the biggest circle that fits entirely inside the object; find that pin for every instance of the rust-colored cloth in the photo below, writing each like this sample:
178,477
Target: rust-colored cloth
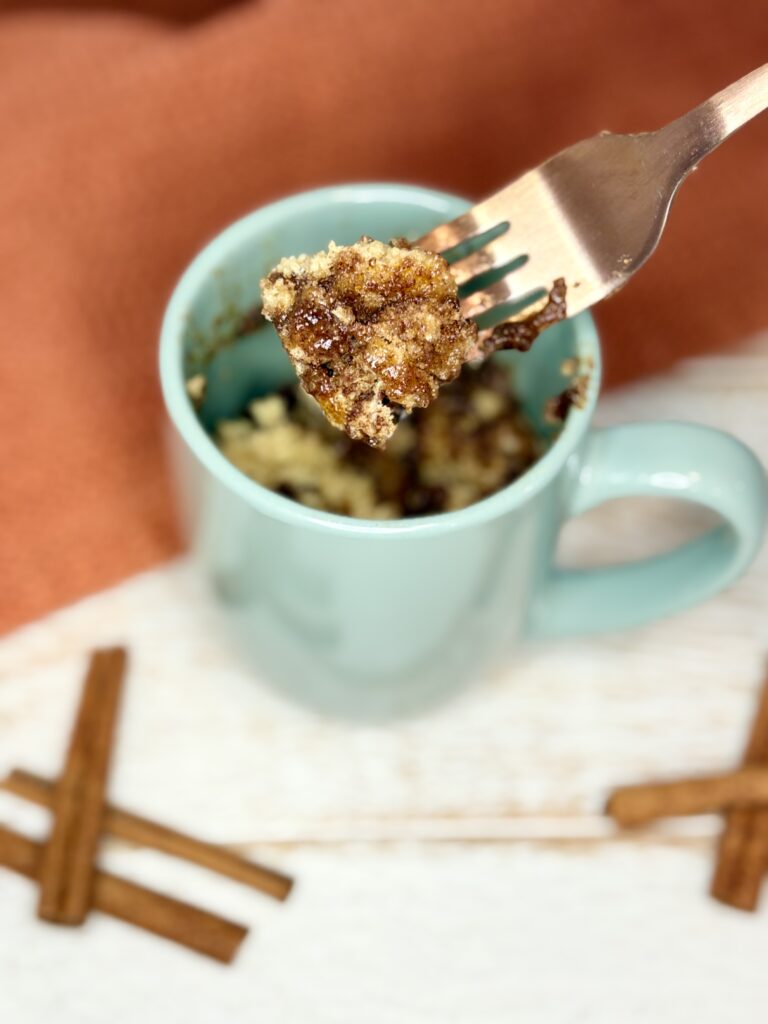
133,132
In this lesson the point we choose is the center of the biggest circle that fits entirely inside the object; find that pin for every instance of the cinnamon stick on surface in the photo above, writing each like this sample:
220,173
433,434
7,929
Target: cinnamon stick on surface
742,856
133,828
189,926
67,868
707,794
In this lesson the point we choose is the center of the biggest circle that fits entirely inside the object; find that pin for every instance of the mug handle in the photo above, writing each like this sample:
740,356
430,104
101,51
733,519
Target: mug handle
677,460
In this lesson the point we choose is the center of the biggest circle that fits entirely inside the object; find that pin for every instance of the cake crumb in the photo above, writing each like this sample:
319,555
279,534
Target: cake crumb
267,412
195,388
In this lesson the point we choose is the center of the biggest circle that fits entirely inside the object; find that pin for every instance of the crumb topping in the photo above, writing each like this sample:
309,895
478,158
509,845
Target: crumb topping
373,330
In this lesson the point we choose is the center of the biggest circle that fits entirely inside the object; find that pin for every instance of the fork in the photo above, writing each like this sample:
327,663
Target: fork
590,216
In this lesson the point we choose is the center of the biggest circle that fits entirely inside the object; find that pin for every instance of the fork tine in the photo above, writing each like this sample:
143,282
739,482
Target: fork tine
494,254
515,285
445,236
456,231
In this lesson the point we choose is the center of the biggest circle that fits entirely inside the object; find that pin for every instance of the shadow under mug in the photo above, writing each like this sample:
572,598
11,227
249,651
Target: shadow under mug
372,619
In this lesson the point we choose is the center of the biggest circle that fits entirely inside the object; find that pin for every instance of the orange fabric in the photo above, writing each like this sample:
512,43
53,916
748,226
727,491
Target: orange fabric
133,132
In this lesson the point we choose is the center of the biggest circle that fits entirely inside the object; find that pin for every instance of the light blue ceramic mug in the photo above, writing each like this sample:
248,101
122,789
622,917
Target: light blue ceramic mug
378,618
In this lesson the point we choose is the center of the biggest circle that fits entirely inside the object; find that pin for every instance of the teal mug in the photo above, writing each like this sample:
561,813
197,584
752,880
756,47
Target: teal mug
380,618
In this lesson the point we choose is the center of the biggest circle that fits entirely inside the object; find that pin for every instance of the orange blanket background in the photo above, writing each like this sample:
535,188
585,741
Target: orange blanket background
132,132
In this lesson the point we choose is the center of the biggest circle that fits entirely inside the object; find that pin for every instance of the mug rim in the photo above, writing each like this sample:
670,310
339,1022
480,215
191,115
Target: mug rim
276,506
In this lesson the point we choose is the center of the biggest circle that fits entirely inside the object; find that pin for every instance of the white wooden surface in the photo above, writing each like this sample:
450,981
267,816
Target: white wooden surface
454,868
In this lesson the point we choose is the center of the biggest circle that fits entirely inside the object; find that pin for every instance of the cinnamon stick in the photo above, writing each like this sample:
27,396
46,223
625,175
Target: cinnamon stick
707,794
742,856
172,919
67,868
133,828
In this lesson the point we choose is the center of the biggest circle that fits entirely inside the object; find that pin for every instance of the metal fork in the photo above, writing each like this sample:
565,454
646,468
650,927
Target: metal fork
590,215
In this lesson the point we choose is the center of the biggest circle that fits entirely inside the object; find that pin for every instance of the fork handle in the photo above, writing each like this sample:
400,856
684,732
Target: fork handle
696,134
674,460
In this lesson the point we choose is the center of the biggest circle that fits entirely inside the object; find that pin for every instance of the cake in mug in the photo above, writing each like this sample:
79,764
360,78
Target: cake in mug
393,415
471,441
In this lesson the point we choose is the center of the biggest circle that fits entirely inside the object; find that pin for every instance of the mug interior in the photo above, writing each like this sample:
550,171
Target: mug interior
208,327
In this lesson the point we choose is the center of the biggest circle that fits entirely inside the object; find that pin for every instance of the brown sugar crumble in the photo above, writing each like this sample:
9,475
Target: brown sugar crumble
575,395
373,330
470,442
521,334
